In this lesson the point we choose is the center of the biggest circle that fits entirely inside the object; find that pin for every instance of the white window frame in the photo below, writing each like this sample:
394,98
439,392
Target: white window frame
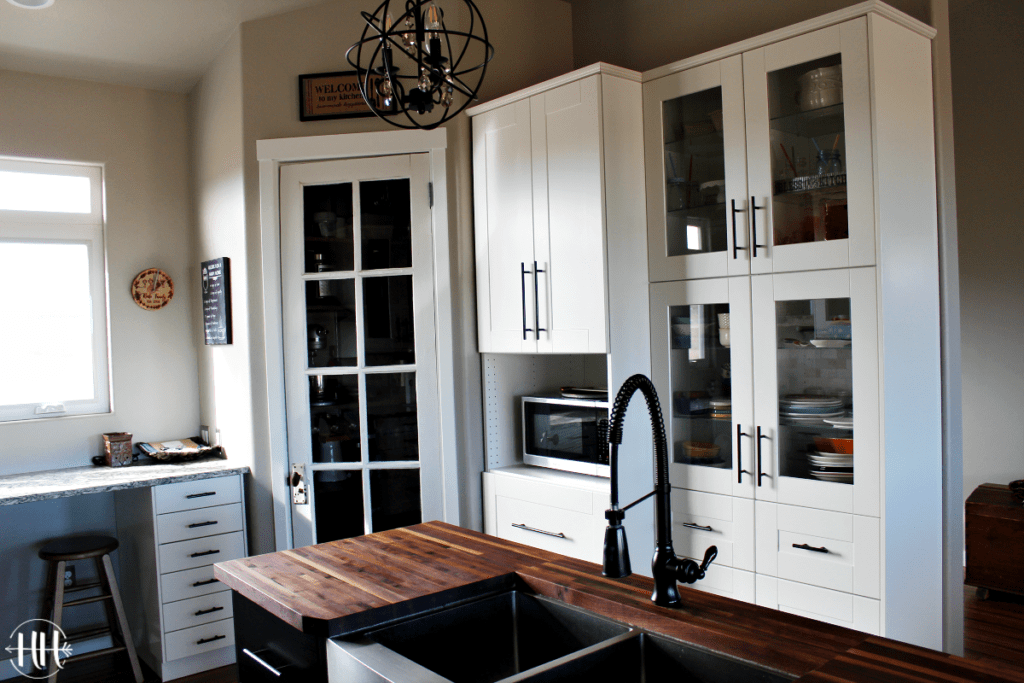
67,228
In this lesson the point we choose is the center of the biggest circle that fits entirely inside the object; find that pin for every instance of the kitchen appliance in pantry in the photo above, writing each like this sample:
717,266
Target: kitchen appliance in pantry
561,431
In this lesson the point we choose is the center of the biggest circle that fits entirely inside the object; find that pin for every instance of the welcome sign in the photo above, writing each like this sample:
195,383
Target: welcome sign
334,96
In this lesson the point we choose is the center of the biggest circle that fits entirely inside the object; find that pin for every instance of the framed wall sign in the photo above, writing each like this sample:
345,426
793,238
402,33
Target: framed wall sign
217,301
333,96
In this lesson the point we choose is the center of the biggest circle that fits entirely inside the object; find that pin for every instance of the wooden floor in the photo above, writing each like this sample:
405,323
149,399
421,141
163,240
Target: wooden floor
993,631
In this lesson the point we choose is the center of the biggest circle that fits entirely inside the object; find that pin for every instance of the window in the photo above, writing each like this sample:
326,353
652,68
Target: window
53,303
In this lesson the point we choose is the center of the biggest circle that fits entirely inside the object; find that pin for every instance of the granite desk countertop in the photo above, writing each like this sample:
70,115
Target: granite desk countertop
49,484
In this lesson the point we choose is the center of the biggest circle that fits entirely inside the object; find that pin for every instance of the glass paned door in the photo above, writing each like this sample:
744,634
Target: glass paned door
360,360
701,364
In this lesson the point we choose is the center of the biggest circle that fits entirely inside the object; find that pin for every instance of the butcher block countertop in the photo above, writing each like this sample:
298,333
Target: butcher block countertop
344,586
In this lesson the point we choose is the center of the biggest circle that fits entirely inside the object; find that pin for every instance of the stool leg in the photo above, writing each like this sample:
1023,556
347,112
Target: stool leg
122,620
57,579
51,571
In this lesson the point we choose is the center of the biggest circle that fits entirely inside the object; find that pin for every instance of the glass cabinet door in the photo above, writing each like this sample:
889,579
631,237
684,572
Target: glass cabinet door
816,378
701,365
694,140
810,151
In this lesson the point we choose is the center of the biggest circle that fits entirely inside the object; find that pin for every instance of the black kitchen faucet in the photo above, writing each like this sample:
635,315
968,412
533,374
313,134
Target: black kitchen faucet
666,566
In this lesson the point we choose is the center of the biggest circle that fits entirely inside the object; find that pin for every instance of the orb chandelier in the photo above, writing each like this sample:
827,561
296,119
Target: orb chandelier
414,71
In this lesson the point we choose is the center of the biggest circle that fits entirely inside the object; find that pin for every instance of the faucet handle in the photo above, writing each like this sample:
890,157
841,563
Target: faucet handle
689,571
709,556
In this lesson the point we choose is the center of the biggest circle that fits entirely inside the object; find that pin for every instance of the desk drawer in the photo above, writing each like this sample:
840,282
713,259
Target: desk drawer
190,583
549,528
198,552
192,641
188,495
181,526
196,611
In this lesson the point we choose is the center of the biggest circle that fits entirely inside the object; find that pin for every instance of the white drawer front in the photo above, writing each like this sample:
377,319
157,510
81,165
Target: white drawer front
192,641
544,493
195,553
189,584
833,550
188,495
833,607
732,583
180,526
196,611
580,536
702,519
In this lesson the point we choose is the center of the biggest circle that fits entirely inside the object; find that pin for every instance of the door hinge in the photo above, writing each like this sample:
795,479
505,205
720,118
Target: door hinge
430,193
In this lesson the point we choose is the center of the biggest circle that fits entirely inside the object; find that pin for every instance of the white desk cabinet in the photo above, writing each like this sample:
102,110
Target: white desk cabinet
171,535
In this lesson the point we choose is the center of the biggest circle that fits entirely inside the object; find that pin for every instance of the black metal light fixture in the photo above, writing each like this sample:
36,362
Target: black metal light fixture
412,68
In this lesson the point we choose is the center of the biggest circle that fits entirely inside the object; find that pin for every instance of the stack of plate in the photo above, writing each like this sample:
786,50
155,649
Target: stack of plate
721,409
834,467
806,408
844,422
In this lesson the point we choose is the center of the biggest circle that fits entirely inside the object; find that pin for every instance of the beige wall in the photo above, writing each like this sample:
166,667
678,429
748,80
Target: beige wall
988,64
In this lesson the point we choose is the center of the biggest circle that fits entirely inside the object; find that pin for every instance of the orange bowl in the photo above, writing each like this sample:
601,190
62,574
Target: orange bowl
700,450
832,445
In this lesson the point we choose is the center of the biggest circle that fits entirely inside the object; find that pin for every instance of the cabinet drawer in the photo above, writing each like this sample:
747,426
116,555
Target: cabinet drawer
702,519
549,528
189,584
192,641
196,611
546,494
832,550
195,553
180,526
721,580
188,495
833,607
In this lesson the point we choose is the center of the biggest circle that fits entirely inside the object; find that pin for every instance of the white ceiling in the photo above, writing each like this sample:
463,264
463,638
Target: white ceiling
156,44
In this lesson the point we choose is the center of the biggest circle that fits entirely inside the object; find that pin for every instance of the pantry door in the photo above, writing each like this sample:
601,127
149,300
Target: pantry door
359,346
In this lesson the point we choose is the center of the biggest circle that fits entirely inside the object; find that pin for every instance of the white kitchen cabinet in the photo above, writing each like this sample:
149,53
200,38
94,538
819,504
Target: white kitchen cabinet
547,164
171,536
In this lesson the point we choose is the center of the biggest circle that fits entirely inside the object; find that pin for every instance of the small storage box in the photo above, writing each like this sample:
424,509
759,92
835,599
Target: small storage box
117,448
994,530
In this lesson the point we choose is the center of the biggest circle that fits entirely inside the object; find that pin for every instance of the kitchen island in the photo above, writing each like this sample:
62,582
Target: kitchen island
291,601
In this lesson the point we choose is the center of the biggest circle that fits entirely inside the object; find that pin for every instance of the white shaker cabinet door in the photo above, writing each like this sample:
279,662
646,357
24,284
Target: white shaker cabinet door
503,198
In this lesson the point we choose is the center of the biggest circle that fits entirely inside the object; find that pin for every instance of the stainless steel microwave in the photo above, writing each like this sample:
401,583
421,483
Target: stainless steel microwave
562,433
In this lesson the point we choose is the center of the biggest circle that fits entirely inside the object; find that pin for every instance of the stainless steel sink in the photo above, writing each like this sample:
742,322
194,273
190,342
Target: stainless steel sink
517,637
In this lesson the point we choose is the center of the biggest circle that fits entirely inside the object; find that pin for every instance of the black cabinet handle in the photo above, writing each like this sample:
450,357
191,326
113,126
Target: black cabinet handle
536,302
539,531
739,450
208,611
804,546
760,474
204,641
735,247
754,208
205,552
204,583
201,495
199,524
691,525
522,282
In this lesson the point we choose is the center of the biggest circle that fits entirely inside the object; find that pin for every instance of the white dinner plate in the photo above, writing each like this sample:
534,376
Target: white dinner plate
831,343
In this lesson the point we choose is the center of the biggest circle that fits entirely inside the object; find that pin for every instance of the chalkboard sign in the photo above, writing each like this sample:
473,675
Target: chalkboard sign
217,301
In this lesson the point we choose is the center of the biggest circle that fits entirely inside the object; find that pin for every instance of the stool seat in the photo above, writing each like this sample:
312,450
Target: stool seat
78,548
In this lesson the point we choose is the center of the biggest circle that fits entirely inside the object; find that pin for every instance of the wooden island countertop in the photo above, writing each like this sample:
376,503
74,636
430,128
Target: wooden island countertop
339,587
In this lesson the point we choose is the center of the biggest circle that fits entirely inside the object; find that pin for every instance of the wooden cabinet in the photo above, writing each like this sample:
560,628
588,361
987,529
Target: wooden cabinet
548,177
994,535
171,535
556,511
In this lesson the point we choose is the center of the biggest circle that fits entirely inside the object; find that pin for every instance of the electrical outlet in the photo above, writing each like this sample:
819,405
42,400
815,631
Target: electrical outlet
204,434
216,437
69,576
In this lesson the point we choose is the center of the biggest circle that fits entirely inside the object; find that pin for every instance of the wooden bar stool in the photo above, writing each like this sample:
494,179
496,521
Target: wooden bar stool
57,554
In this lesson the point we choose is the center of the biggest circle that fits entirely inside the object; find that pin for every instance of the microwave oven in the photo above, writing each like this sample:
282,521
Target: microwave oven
562,433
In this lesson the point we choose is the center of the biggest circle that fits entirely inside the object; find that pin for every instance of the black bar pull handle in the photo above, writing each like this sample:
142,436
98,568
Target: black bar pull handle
522,282
201,495
205,552
199,524
754,208
204,641
536,302
760,474
804,546
208,611
739,452
691,525
735,247
204,583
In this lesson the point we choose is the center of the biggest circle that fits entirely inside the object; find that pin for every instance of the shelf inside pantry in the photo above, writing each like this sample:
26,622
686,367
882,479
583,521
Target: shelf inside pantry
812,123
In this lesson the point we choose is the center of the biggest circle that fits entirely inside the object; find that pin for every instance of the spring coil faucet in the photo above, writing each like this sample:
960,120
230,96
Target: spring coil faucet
666,566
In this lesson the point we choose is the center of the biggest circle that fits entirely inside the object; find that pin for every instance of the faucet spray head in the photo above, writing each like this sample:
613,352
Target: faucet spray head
616,551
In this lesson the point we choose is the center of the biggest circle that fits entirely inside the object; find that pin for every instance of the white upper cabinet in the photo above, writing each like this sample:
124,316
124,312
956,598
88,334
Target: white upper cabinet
761,162
541,166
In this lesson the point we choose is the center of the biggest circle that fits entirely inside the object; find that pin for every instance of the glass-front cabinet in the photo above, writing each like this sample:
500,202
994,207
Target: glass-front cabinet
768,382
780,177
